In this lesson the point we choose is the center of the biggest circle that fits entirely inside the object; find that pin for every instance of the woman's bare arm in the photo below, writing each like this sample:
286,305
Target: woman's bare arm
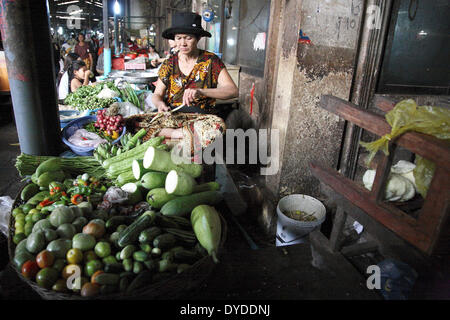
158,97
226,89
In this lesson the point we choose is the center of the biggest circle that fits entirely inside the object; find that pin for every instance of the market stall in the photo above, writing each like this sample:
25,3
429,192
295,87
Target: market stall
116,216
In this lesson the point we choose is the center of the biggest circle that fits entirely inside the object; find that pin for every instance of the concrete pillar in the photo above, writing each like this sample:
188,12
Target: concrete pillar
284,28
301,72
25,32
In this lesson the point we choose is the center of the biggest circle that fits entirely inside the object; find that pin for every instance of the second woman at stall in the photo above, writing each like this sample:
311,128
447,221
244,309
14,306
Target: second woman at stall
78,75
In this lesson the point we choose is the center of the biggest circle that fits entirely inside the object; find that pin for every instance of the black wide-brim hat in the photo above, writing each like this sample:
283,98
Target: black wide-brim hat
185,23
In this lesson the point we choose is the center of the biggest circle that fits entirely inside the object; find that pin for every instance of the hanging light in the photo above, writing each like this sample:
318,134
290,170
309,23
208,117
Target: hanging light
117,7
60,30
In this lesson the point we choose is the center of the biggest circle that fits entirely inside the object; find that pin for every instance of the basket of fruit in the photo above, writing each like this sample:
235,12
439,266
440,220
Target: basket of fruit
69,241
110,128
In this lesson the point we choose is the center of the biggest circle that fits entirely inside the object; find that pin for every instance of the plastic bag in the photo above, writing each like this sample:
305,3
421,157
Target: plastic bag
407,116
6,204
397,279
115,195
148,105
107,93
423,174
86,139
127,109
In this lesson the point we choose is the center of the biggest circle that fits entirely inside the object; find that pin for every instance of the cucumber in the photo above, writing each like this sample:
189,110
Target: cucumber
164,241
127,252
140,256
151,265
114,267
108,289
153,179
138,169
160,160
113,222
52,164
185,256
106,278
131,233
208,228
146,247
179,183
182,206
168,255
158,197
148,235
167,266
128,264
182,267
49,176
29,191
138,267
38,197
124,282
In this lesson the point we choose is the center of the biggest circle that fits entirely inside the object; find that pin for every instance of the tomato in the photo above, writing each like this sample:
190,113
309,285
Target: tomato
90,290
102,249
92,266
60,285
82,282
89,255
69,270
47,277
16,211
95,229
59,264
29,269
45,259
74,256
96,273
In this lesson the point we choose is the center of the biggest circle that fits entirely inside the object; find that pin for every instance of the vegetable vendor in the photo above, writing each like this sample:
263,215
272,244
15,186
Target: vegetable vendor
78,75
191,77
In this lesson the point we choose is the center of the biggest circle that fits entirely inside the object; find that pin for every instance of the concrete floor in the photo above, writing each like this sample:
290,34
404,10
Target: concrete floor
274,273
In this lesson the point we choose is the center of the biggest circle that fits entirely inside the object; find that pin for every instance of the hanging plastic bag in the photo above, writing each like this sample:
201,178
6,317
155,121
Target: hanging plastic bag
6,204
407,116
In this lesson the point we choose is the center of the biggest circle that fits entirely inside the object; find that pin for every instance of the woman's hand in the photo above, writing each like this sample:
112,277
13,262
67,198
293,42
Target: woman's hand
87,74
190,95
163,108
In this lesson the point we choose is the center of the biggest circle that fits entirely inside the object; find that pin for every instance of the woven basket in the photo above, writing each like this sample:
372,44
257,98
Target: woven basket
171,288
136,122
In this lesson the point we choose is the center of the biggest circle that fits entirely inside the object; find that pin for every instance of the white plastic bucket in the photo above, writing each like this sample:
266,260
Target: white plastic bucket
291,231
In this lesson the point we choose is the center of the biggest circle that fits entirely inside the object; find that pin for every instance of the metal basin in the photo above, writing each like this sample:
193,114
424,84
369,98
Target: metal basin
139,77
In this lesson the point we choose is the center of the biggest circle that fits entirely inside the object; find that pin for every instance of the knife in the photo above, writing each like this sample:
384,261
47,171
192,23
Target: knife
171,111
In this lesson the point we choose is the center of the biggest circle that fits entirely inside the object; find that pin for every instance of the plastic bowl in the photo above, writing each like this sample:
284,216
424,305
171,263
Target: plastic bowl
76,124
306,204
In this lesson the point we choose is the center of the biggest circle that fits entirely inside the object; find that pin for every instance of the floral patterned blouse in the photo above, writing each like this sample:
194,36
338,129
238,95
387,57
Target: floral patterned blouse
205,74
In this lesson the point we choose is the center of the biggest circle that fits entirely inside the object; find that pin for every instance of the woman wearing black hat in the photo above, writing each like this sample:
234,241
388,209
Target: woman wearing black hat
192,77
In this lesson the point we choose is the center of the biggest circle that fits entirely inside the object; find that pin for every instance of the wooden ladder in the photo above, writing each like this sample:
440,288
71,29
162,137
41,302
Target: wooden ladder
395,229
